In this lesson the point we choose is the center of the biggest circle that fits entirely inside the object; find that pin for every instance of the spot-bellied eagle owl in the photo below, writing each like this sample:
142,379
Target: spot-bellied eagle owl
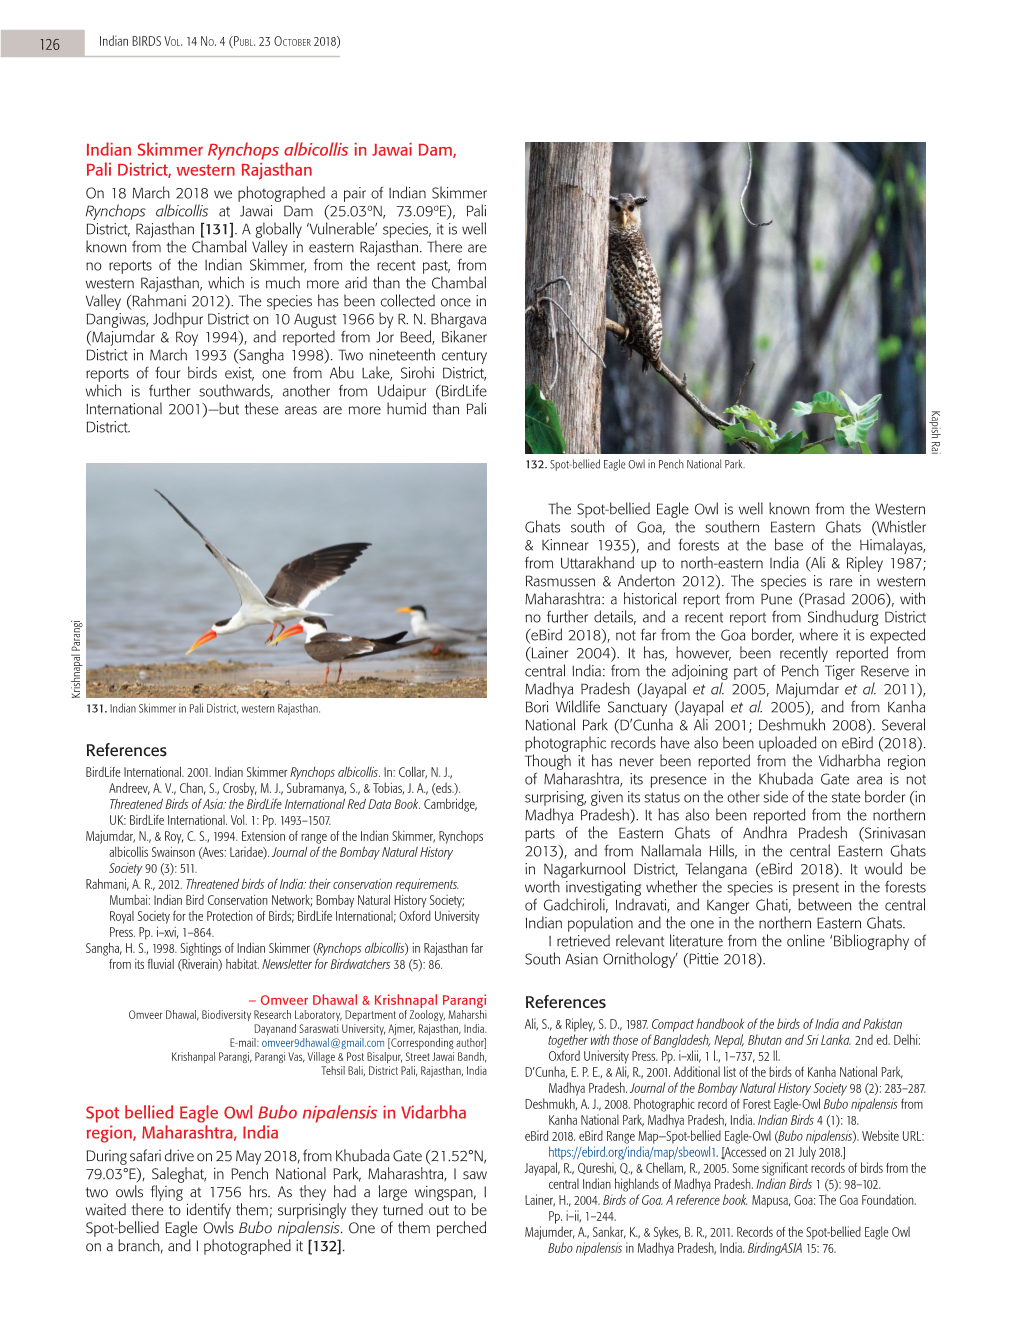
633,280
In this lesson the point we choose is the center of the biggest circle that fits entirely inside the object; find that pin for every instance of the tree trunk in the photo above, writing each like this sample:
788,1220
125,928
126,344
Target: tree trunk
901,248
807,347
632,414
568,239
804,379
738,284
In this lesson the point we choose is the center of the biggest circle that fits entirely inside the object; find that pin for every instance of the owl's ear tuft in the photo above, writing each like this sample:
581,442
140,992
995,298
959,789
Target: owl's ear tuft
614,200
640,201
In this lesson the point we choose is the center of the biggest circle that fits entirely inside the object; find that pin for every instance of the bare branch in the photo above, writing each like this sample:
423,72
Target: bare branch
576,331
555,280
552,323
747,375
760,224
680,385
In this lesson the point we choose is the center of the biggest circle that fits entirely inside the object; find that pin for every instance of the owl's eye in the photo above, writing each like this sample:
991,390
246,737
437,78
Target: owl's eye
630,208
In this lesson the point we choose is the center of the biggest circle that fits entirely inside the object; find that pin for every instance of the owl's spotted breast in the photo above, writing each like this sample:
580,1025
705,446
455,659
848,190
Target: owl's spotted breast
636,293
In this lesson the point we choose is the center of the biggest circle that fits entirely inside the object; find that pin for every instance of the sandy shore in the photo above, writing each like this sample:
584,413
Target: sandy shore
233,680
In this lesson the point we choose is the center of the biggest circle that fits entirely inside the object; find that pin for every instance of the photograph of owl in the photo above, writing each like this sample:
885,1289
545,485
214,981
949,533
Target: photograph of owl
633,280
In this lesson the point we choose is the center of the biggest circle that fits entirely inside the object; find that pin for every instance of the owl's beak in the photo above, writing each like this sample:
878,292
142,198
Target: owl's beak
624,216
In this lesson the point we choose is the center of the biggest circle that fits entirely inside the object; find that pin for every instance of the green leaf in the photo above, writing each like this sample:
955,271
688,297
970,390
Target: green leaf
872,402
765,424
855,431
875,262
917,325
762,343
824,402
888,439
814,449
790,443
854,409
889,348
542,434
739,432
